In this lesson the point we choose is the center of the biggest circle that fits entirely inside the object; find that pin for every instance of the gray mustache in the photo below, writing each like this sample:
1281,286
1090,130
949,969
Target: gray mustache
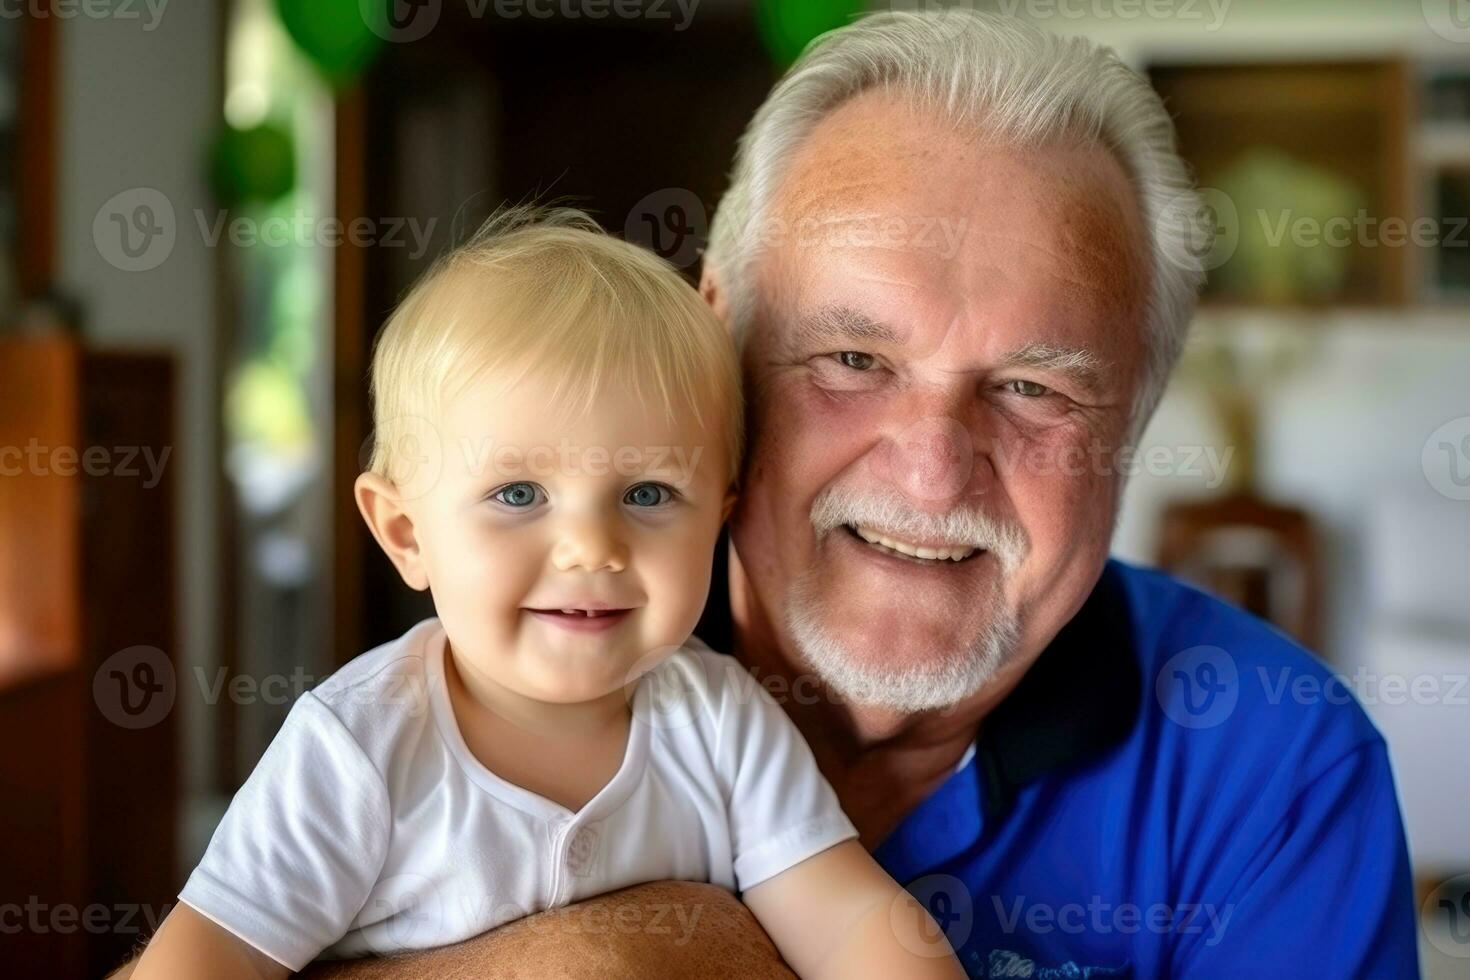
889,512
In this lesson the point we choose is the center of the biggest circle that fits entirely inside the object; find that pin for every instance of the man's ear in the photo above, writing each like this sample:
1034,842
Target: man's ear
392,527
713,291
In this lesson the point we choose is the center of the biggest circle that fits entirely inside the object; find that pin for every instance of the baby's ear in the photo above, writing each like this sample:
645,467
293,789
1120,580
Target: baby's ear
732,496
392,527
713,291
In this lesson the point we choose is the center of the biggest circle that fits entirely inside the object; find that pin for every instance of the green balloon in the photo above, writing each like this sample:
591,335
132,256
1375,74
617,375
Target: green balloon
255,165
788,26
336,35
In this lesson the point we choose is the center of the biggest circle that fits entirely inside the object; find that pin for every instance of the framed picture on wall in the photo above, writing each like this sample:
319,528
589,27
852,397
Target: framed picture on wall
1305,167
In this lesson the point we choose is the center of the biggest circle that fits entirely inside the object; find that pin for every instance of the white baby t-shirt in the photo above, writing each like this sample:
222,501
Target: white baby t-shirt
369,828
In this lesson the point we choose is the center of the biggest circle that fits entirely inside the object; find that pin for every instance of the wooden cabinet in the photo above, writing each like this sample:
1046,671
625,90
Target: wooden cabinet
89,791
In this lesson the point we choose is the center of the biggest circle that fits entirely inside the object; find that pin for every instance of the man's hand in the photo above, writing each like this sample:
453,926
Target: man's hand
664,928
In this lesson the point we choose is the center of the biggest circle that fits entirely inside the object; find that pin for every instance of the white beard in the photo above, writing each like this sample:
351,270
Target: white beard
944,679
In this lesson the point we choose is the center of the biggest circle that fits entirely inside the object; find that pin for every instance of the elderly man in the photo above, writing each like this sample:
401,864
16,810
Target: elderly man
1082,767
956,252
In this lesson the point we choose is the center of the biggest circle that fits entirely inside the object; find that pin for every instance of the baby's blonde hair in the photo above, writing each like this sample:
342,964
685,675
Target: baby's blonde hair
546,291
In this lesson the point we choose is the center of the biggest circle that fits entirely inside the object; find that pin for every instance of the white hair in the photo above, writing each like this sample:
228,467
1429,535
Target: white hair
1019,83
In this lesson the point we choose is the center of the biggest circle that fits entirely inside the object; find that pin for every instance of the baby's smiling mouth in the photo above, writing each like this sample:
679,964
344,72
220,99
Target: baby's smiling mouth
581,616
589,613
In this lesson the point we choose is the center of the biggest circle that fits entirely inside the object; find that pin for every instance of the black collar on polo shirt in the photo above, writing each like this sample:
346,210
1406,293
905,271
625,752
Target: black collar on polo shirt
1080,698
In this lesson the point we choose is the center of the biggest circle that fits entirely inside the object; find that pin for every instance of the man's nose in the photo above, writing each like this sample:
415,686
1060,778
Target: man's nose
590,544
933,451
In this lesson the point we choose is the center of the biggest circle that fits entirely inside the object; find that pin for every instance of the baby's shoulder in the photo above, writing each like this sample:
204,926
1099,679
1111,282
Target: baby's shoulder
700,672
698,692
383,695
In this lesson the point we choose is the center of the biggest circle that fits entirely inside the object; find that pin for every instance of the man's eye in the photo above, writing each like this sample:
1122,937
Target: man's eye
519,495
854,359
1028,388
648,495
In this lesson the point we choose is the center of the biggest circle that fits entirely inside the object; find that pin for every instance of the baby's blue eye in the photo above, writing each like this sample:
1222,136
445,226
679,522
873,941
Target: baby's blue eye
517,494
648,495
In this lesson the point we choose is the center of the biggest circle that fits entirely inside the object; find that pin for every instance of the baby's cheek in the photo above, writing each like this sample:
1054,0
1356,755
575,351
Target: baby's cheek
678,583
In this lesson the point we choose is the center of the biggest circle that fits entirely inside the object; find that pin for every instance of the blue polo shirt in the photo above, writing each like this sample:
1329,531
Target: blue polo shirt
1175,788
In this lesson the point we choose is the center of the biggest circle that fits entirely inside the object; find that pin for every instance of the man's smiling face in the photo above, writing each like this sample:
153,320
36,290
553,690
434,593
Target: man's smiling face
948,339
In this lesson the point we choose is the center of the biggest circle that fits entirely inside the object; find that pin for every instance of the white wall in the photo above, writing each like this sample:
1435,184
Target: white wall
135,106
1342,431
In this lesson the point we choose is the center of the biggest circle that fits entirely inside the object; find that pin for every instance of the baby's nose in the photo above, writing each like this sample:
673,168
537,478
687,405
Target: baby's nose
590,545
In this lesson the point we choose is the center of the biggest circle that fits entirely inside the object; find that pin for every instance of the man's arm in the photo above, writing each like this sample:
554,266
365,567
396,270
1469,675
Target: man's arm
1327,893
664,928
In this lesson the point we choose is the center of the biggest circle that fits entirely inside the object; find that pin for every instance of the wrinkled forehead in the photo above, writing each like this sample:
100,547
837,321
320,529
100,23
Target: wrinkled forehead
888,195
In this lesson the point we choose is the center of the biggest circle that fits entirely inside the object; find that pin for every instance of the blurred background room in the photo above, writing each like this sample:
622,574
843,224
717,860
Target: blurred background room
207,208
